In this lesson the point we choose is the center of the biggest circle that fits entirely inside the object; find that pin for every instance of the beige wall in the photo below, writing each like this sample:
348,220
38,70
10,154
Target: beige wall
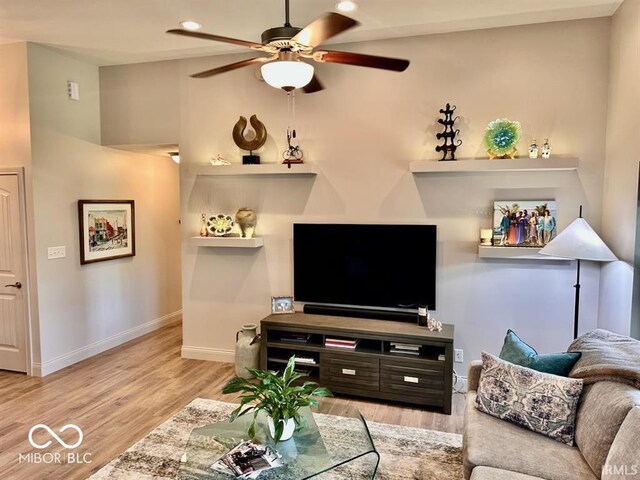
141,106
87,309
362,132
622,163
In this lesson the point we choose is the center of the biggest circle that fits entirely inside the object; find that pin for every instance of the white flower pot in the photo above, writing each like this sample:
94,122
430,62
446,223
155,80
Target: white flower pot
287,433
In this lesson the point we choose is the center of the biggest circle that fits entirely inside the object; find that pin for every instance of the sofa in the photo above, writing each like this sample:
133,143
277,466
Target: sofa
607,440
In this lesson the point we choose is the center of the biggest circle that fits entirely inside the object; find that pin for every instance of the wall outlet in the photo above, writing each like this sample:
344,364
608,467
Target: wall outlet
56,252
73,91
458,355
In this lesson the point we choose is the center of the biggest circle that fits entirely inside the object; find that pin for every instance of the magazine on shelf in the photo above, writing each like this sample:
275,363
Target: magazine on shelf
404,352
310,360
295,337
341,343
247,460
405,346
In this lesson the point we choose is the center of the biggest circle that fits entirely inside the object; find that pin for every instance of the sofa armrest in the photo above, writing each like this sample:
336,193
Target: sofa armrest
473,377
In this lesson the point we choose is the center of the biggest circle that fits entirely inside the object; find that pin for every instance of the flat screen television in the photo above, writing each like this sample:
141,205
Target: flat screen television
379,266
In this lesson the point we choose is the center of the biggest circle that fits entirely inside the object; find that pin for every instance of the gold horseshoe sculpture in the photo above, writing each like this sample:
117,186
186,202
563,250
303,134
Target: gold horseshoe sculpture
243,143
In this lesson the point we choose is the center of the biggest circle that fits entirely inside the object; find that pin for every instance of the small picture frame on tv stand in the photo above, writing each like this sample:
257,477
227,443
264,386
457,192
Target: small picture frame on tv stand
280,305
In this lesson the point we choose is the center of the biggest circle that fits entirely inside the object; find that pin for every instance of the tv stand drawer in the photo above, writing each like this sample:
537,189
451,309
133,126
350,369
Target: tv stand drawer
402,378
347,371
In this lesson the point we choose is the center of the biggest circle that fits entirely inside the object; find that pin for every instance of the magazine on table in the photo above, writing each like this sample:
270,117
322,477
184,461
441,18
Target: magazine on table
248,459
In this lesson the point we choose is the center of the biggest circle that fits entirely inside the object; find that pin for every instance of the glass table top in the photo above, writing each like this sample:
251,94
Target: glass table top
321,444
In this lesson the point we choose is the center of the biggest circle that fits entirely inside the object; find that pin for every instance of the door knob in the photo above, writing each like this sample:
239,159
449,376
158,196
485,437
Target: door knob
17,285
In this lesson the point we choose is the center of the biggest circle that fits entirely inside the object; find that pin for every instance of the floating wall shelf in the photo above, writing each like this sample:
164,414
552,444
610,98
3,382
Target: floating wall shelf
227,242
515,253
553,164
261,169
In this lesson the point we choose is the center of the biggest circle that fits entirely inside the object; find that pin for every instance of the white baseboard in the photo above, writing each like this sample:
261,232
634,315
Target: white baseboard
211,354
62,361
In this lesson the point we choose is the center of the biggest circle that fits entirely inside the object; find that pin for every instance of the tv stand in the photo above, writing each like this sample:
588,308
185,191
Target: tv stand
359,312
371,370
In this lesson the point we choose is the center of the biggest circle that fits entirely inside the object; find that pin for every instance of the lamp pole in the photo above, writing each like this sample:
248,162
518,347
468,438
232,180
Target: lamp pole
576,314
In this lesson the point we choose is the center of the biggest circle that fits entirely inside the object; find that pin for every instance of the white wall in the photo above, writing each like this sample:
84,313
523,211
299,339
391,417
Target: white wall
621,173
86,309
362,132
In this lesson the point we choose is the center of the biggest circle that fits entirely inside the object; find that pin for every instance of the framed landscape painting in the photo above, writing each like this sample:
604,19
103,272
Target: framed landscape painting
107,230
524,223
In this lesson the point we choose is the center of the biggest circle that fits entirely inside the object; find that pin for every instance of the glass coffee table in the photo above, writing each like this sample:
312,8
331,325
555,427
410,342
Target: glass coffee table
335,446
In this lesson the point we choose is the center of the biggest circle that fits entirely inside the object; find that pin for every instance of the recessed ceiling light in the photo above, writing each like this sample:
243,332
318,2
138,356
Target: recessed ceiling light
346,6
190,25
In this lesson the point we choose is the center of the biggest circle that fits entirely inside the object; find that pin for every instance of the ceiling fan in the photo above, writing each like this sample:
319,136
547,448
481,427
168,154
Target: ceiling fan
288,45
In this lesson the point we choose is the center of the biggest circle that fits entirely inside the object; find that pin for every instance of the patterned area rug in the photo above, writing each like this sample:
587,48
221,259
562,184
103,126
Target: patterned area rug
406,453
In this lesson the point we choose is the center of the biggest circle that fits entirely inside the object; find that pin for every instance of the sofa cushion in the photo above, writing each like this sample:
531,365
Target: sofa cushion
602,409
538,401
516,351
491,442
488,473
623,461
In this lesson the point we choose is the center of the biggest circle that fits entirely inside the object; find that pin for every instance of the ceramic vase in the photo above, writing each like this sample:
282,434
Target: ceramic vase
246,220
247,350
287,432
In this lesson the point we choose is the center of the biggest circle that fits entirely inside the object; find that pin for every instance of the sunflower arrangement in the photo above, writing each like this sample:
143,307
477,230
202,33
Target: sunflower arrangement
501,137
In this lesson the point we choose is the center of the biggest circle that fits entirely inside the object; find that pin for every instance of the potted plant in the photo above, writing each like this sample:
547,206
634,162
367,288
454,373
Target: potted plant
277,396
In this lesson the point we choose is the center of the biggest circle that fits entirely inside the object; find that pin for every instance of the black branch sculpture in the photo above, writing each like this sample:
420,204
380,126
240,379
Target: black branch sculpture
450,144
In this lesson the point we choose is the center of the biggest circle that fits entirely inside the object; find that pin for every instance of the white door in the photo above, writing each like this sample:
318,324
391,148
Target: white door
13,312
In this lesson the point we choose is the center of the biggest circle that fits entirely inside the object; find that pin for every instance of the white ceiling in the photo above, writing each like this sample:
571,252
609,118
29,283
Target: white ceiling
127,31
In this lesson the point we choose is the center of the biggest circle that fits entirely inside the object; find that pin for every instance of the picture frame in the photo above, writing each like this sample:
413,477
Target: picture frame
107,230
524,223
282,305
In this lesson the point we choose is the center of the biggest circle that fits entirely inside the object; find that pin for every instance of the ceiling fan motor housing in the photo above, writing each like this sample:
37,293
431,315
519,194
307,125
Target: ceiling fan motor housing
279,34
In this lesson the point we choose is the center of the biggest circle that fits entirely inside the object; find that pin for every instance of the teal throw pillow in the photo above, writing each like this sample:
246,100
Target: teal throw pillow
516,351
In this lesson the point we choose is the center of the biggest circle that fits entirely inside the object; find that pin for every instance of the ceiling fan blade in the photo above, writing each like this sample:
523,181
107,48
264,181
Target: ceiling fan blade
217,38
313,86
322,29
229,67
361,60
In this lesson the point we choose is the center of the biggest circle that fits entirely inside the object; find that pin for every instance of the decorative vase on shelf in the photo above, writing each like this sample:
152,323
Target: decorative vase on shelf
246,220
546,149
287,431
247,350
203,227
533,149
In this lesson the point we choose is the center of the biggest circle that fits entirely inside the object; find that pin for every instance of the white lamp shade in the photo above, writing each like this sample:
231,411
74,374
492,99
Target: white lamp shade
287,74
579,241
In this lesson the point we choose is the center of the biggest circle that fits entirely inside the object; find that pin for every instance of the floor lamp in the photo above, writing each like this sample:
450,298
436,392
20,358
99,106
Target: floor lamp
579,242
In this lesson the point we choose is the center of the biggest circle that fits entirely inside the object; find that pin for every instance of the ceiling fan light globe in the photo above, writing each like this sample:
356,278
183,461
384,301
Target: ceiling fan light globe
287,75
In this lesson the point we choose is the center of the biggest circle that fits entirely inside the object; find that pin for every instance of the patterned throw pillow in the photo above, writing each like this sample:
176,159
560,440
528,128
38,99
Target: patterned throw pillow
538,401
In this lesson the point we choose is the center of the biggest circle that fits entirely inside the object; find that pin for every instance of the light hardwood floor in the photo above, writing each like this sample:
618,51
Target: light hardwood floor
119,396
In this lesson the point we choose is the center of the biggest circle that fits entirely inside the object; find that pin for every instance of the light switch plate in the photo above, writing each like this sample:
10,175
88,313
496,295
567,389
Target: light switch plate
56,252
73,90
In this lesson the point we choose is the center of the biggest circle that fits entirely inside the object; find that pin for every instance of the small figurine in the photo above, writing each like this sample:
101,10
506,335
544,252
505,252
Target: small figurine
533,149
219,160
433,324
204,232
293,154
448,135
546,149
